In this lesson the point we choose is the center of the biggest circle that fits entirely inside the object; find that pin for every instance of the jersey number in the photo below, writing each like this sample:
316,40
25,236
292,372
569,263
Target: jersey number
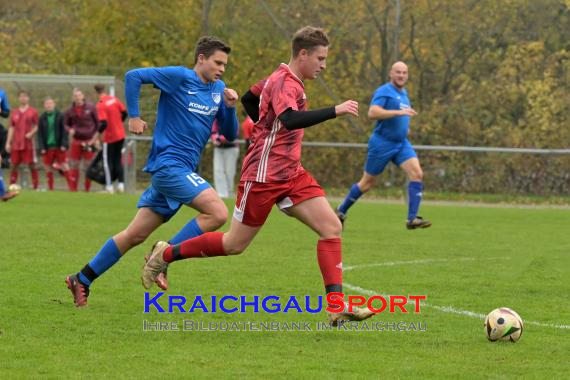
195,179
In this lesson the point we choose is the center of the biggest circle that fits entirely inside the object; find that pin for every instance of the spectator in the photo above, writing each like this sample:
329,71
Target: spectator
20,142
225,160
247,128
82,124
112,113
53,142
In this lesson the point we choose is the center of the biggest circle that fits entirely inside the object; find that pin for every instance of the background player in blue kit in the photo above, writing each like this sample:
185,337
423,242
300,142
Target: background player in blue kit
392,110
190,100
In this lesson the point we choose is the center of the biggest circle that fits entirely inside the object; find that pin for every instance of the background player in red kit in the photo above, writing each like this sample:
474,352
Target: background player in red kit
112,113
82,123
20,142
272,174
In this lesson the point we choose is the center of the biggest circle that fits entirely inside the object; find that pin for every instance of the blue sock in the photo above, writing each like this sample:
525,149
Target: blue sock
189,231
351,197
414,198
103,260
2,190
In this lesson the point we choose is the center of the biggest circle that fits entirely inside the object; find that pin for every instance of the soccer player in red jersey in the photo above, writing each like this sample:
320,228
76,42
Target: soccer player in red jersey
272,174
82,123
20,142
112,113
53,142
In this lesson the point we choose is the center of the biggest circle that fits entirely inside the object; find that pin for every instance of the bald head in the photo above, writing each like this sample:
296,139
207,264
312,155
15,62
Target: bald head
399,74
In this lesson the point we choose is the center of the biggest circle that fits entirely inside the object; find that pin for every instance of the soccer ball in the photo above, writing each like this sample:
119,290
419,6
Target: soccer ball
14,188
503,324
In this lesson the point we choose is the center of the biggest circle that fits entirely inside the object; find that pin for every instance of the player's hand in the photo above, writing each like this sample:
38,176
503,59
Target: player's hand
43,151
63,149
137,125
28,135
230,97
350,107
408,112
8,147
71,133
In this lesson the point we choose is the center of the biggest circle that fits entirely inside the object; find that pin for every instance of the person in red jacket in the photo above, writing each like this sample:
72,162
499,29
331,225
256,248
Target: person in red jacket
20,142
112,113
82,124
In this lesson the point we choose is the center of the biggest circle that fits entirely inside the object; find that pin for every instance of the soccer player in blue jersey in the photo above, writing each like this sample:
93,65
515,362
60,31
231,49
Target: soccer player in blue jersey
392,110
190,101
4,112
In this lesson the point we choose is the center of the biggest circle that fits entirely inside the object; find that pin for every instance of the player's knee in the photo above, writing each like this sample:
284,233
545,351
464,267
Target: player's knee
332,230
417,175
219,216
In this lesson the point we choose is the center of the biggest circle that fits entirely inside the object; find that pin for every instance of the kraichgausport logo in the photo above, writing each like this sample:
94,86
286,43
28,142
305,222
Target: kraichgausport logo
335,302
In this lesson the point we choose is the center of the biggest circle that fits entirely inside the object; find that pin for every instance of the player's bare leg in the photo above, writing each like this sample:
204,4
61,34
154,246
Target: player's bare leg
318,215
415,175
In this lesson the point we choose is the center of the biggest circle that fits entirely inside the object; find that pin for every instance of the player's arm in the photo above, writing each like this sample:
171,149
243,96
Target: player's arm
292,119
250,103
9,138
41,138
227,116
34,130
63,132
376,112
4,107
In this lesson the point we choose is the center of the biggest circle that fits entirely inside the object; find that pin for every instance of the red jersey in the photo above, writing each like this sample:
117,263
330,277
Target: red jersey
83,119
258,87
23,122
110,109
275,153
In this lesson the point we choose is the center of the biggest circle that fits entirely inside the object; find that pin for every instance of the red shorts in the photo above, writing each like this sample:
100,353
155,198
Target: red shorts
26,156
78,152
255,199
54,156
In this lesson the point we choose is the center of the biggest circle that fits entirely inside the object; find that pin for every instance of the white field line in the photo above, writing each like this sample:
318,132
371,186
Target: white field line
443,309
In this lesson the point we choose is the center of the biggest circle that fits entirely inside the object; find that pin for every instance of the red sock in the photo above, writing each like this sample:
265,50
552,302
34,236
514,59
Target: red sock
73,174
49,176
87,184
35,178
329,255
14,176
68,180
207,245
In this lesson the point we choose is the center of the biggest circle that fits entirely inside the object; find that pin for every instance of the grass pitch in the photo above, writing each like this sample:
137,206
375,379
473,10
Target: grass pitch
471,261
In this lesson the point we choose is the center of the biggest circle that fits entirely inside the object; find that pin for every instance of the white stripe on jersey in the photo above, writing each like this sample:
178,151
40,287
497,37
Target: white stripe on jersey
267,145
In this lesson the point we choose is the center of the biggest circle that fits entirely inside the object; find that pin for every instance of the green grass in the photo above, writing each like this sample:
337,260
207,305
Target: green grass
477,259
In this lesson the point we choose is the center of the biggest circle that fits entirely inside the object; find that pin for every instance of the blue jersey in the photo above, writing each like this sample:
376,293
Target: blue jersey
4,105
389,97
186,111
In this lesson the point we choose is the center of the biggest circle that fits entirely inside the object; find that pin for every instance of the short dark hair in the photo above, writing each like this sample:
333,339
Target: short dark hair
208,45
99,88
308,38
23,92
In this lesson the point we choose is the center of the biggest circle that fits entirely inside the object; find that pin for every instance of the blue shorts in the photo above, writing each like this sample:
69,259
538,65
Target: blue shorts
382,151
170,188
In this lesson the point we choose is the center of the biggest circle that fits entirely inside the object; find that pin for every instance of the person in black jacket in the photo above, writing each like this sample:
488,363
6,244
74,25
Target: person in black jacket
53,142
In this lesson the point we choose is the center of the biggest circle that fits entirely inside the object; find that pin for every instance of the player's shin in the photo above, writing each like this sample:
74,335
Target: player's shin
209,244
329,256
107,256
